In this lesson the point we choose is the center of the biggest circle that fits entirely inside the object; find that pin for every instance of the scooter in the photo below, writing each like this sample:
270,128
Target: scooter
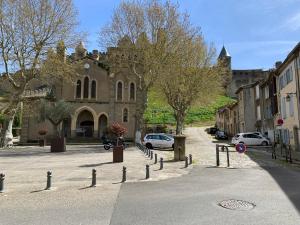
108,145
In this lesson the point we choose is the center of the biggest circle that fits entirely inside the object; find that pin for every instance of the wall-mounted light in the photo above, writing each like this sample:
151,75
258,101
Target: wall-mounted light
288,96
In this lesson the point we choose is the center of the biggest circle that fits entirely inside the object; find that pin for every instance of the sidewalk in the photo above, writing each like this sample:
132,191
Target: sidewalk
25,168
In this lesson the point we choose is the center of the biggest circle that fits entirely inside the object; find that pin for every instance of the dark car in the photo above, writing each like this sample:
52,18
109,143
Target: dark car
212,130
221,135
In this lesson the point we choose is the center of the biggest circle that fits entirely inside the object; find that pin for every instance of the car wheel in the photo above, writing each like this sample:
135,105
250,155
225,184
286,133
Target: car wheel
264,143
149,145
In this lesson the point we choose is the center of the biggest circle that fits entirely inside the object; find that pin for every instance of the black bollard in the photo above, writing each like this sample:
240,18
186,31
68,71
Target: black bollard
161,163
217,155
2,177
186,162
49,177
191,159
151,155
124,174
147,172
227,153
94,178
155,158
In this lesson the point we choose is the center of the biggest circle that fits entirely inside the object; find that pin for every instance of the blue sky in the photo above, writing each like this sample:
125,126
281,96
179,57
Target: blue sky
256,33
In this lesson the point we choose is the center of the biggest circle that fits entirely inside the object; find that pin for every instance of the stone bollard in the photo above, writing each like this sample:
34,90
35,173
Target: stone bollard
124,174
186,162
151,155
2,177
49,183
161,163
147,172
155,158
217,155
191,159
227,153
94,178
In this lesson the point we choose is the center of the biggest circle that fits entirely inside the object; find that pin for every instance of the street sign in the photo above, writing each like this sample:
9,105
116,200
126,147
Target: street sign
240,148
279,122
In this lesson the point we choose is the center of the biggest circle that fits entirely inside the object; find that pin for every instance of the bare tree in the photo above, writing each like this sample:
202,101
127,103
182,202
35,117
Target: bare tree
190,77
155,28
29,30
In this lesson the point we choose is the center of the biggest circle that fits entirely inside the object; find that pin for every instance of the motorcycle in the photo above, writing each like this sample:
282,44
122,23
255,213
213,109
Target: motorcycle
109,144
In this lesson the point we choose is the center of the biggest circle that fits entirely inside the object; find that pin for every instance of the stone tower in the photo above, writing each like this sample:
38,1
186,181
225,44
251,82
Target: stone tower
224,59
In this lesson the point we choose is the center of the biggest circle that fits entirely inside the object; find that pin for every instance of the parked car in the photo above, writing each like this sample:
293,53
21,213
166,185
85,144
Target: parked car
250,139
221,135
160,140
212,130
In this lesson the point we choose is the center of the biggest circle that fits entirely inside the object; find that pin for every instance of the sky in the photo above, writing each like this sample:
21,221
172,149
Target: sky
256,33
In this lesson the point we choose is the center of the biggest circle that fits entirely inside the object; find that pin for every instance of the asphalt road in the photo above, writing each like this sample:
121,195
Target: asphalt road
193,199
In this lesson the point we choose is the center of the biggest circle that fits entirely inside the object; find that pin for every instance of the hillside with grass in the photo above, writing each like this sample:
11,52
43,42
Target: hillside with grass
159,112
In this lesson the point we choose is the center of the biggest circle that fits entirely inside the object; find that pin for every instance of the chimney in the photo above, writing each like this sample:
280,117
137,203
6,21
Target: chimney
277,64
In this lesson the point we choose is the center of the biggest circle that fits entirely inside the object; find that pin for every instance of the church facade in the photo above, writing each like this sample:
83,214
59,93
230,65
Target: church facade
105,92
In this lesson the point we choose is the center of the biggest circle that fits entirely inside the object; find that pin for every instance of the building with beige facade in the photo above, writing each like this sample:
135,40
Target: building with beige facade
105,92
288,99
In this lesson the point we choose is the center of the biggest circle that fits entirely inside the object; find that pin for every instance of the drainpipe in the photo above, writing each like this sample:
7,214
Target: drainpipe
297,94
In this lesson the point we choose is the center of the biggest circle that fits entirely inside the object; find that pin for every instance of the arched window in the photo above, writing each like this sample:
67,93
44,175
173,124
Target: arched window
86,88
125,115
78,89
119,91
132,92
93,89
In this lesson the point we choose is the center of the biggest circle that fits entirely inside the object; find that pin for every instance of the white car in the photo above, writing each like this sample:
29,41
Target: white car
252,138
154,140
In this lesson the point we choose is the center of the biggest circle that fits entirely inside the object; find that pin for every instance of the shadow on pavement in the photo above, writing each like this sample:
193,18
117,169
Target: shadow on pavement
96,165
288,178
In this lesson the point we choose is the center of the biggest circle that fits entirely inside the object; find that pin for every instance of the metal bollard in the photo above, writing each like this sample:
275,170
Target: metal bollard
151,155
227,153
161,163
94,178
147,172
124,174
2,177
155,158
191,159
217,155
49,177
186,162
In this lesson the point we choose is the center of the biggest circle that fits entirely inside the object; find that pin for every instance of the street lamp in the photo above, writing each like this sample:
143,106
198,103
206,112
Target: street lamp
288,97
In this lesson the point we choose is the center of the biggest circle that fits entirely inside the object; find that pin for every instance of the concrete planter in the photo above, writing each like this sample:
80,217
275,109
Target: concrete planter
118,152
179,148
58,144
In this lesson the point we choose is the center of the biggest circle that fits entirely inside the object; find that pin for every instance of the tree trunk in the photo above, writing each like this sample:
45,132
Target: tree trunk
6,136
140,110
179,116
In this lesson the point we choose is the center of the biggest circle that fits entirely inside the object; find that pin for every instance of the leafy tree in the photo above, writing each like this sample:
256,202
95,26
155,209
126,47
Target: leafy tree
147,24
55,113
29,30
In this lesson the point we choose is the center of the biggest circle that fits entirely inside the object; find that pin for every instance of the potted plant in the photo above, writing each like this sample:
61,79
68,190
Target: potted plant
42,141
56,112
118,132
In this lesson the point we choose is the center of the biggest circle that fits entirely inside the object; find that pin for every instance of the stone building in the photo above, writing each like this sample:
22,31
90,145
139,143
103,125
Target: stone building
237,78
288,88
106,92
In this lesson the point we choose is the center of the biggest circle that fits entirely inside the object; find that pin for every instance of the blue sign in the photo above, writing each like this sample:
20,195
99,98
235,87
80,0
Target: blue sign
240,148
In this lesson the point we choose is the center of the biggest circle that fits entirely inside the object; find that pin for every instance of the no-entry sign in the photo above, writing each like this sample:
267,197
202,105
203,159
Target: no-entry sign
240,148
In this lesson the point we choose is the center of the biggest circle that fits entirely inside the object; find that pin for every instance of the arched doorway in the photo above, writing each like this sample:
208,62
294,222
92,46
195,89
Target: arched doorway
102,125
85,124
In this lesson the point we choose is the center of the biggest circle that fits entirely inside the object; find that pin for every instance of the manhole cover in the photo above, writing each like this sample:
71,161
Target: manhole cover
234,204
